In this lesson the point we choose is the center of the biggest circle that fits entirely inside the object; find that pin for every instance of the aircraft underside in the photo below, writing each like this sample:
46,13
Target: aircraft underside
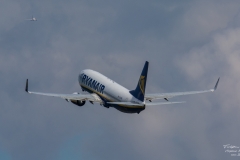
128,110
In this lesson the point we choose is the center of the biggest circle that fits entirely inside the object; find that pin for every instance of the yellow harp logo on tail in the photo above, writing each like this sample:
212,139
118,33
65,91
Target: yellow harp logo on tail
141,83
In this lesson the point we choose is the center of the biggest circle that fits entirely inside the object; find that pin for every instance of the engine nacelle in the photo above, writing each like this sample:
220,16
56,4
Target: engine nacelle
78,103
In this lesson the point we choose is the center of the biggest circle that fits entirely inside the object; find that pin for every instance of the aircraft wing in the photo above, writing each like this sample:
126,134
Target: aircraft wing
67,97
174,94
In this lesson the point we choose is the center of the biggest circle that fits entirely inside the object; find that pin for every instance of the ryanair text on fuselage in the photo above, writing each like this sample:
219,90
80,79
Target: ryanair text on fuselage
92,83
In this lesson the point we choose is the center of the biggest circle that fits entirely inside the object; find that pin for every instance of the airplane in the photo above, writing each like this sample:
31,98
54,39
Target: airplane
32,19
108,93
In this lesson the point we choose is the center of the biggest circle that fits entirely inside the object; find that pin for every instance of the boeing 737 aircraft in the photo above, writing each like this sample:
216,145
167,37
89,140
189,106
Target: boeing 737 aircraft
32,19
108,93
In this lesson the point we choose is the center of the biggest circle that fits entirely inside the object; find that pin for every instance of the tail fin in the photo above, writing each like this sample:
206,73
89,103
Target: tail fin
139,92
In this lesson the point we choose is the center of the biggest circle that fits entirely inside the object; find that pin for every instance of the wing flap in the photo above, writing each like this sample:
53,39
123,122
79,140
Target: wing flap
162,103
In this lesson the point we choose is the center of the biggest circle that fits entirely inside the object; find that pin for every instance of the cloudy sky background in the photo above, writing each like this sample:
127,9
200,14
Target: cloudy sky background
189,44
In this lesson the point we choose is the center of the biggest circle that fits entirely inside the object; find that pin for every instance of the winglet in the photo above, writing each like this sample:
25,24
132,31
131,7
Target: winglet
216,84
26,88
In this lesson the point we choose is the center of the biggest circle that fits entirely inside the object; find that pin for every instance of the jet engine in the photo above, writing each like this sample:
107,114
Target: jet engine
78,103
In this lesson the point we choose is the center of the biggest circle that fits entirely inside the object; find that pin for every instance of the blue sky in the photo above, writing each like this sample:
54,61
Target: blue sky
189,44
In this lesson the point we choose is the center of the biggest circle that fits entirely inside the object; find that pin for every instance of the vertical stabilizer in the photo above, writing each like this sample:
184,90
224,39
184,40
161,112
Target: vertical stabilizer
139,92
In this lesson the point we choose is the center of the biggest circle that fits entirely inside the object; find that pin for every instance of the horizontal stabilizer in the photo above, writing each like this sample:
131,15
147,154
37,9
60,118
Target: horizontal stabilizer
126,103
161,103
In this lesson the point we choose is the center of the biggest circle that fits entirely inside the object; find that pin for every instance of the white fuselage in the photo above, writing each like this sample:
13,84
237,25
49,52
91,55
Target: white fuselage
107,89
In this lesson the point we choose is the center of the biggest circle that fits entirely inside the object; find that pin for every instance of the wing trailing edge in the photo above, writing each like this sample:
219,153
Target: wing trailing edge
162,103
